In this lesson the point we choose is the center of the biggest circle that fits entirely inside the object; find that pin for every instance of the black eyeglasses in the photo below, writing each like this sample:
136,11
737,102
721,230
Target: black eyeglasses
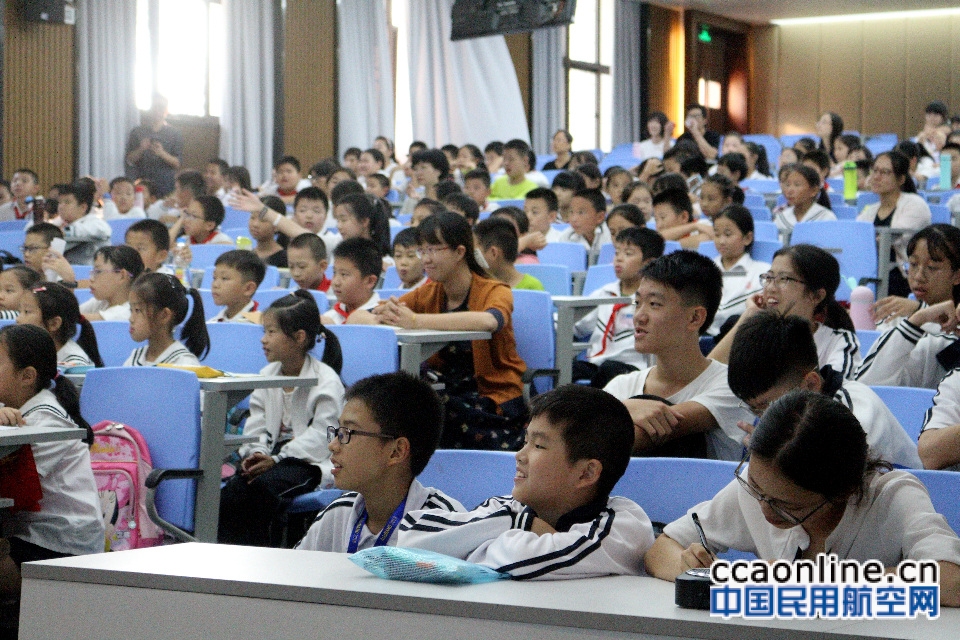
771,502
343,435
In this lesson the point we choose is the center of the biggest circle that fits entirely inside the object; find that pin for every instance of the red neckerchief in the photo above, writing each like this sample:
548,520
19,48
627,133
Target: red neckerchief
251,310
324,284
341,311
286,194
20,215
608,330
210,237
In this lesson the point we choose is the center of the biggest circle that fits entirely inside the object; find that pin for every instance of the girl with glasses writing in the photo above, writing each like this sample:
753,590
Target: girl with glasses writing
802,281
811,488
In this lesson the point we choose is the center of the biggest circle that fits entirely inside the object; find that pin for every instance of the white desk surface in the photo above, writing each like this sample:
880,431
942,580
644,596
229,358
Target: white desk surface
254,381
588,301
32,435
431,336
598,607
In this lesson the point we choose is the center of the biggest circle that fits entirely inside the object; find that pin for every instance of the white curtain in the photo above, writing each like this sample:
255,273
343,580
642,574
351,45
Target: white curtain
106,102
465,91
627,72
365,73
550,88
247,121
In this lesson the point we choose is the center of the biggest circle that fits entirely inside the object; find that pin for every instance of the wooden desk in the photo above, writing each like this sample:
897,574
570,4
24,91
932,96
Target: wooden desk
220,591
417,345
571,309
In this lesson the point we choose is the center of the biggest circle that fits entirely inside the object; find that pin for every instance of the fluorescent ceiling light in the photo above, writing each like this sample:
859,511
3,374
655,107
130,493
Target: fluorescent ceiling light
859,17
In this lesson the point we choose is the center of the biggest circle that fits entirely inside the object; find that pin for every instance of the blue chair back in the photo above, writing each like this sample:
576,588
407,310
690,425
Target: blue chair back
605,255
236,232
266,297
599,275
763,250
235,347
404,219
560,226
544,158
508,203
323,302
205,255
667,487
881,143
708,249
82,295
765,230
770,144
554,277
754,200
386,294
13,225
164,406
670,246
118,229
114,342
866,338
210,307
940,213
534,332
235,218
470,476
836,199
791,139
391,279
908,404
866,197
760,213
550,175
11,241
852,243
571,254
837,185
939,197
367,351
845,212
313,501
944,487
761,186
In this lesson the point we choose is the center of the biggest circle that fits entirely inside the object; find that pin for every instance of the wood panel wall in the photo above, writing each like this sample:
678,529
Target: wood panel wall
310,80
878,75
520,46
38,98
665,62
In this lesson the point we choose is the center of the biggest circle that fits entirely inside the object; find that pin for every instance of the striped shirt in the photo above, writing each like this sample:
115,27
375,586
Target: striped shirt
838,348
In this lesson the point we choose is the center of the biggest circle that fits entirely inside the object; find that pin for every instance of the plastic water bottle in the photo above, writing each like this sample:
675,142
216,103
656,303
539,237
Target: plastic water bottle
861,303
138,196
850,181
946,172
181,266
244,243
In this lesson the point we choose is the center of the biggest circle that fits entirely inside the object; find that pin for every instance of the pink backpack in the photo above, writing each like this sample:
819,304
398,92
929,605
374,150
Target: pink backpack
121,464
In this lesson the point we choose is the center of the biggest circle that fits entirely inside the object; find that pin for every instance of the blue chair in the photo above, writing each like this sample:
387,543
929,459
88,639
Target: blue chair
939,213
560,226
866,197
599,275
881,143
235,347
11,241
118,229
82,271
605,255
508,203
852,243
908,404
933,183
235,232
164,406
235,218
323,302
405,218
205,255
550,175
367,351
944,487
761,186
667,487
769,143
754,200
765,230
386,294
763,250
393,196
554,277
836,185
470,476
836,199
543,159
210,307
670,246
391,279
571,254
265,297
82,295
791,139
708,249
844,212
866,337
761,213
114,343
394,232
536,338
13,225
939,197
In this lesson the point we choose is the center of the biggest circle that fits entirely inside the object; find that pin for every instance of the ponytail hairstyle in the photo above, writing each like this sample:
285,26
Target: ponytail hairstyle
376,212
31,346
901,169
763,162
161,291
812,178
453,230
819,270
56,301
299,311
124,257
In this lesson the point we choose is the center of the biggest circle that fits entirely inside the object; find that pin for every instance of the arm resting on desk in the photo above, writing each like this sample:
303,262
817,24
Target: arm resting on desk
667,559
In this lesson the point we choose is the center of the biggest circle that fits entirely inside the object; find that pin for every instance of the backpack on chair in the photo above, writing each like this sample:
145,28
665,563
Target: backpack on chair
121,464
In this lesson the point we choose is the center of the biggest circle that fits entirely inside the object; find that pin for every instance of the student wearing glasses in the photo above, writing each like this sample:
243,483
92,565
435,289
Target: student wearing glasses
811,487
802,281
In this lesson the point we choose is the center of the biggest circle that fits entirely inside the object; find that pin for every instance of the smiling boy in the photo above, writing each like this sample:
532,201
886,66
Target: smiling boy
560,521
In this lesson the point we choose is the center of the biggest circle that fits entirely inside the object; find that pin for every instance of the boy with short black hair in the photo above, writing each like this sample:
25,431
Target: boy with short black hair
542,208
774,354
37,242
122,201
497,238
288,182
425,208
151,239
673,215
214,175
236,276
357,264
83,233
588,213
307,260
24,184
687,410
609,327
351,158
493,158
565,184
200,222
389,429
464,205
560,521
406,257
476,184
516,163
311,208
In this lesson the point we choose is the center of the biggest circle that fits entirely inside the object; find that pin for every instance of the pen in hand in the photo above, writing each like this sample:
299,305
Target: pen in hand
703,537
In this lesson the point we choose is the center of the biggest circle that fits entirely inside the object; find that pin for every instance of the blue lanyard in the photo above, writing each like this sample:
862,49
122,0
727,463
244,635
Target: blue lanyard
385,533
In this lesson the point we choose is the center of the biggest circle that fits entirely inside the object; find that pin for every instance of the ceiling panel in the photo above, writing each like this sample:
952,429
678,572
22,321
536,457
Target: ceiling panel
763,11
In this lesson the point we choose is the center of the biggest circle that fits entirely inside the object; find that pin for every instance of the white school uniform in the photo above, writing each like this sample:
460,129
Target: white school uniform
300,416
600,237
242,316
885,435
69,520
332,529
945,411
119,312
7,314
905,356
110,212
739,283
709,389
72,354
611,336
176,353
331,239
554,236
894,521
338,313
838,348
786,219
594,540
84,237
